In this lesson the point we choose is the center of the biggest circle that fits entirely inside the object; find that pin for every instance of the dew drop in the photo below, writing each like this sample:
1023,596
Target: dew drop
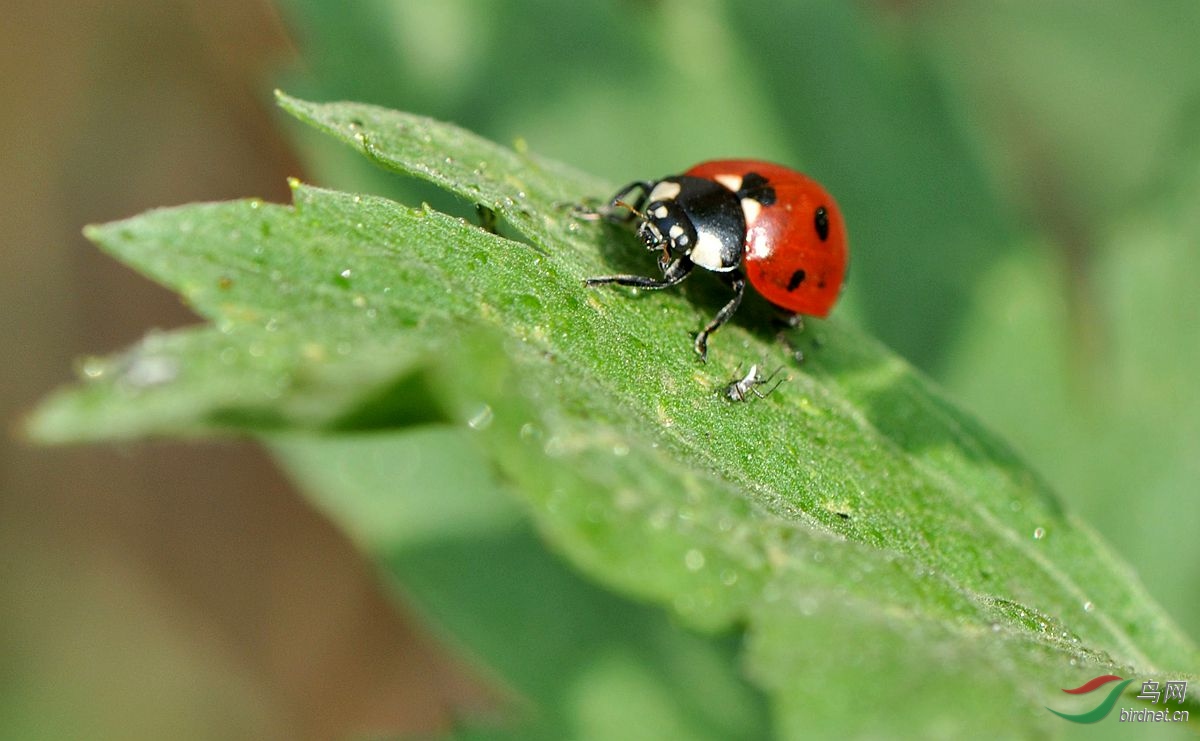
554,447
346,273
694,560
620,450
150,370
481,419
1039,533
1088,606
660,519
92,368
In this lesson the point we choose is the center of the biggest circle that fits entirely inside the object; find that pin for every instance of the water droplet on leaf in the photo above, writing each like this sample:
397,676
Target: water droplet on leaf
482,418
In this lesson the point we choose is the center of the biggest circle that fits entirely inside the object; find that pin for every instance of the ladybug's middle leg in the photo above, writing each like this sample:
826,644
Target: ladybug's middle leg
737,282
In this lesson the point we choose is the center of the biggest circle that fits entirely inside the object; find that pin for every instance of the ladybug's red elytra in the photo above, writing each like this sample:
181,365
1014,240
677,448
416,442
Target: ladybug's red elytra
744,220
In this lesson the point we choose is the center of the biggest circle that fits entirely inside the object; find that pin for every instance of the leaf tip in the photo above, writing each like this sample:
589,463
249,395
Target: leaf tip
104,236
297,107
41,425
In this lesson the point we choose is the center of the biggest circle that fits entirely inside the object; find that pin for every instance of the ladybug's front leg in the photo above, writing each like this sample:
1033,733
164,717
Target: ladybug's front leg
621,208
673,272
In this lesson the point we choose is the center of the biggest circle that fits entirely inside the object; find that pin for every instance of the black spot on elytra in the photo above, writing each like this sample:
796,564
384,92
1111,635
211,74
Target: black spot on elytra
821,221
796,279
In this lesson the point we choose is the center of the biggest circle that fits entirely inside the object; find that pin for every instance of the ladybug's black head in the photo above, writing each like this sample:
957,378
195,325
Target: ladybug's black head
695,218
665,227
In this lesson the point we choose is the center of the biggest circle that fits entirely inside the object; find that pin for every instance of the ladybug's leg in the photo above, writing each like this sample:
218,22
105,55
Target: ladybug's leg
622,208
673,272
625,206
738,283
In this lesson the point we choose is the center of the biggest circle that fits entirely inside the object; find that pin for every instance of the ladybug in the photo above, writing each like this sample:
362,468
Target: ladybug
743,220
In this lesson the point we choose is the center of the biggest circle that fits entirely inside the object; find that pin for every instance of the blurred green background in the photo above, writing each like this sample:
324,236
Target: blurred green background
1020,179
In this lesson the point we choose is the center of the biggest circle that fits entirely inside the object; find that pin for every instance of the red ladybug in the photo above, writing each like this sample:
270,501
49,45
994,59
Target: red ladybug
742,219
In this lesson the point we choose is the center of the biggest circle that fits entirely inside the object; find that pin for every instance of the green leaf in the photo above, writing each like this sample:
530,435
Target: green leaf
882,552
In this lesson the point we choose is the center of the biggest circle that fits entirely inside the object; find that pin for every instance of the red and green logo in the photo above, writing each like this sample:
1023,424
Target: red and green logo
1106,705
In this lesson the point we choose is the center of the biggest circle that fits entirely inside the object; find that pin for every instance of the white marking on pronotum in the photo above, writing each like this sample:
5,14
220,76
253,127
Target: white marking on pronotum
676,231
707,252
659,212
664,191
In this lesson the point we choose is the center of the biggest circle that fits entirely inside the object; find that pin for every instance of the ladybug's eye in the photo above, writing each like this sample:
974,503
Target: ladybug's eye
821,221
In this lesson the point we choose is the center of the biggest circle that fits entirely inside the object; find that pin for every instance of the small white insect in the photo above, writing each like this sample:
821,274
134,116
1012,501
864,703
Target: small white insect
740,389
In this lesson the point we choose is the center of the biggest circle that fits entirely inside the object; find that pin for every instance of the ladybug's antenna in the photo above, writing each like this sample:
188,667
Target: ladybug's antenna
632,210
